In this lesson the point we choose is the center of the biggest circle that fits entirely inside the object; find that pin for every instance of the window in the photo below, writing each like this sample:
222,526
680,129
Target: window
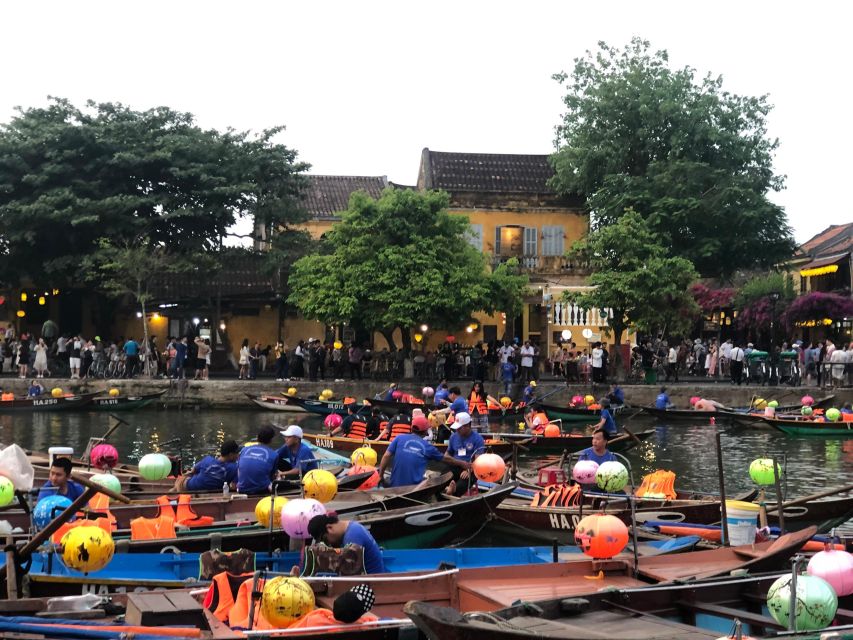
497,241
531,237
474,236
552,240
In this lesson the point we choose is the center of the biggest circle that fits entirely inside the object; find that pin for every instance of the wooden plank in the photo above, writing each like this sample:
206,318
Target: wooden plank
22,605
730,612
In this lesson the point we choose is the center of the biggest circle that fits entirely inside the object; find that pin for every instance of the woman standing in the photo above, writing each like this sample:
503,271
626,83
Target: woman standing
711,361
40,364
244,359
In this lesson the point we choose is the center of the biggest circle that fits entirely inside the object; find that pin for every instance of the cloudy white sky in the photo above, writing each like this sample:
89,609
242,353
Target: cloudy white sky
363,86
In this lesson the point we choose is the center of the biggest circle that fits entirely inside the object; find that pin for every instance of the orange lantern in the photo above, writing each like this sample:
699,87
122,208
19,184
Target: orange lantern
489,467
552,431
371,482
506,402
601,536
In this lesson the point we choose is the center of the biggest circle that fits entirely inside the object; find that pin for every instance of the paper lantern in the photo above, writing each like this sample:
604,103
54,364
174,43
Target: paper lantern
836,567
291,391
773,403
48,508
552,431
816,602
833,415
7,491
489,467
333,421
297,514
760,403
321,485
807,401
108,481
371,482
104,456
584,471
427,392
56,392
87,548
611,476
506,402
155,466
450,338
761,471
338,344
262,510
588,400
364,456
114,393
328,394
694,400
285,600
397,394
601,536
806,410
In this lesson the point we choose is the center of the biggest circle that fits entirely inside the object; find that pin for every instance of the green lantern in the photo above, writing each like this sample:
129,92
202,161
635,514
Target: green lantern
107,480
7,491
761,471
773,403
816,602
155,466
806,410
833,415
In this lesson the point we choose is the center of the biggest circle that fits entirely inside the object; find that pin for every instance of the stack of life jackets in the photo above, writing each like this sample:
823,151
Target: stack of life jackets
557,495
658,484
163,526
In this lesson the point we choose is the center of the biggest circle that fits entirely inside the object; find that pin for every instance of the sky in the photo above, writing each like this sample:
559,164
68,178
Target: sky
363,87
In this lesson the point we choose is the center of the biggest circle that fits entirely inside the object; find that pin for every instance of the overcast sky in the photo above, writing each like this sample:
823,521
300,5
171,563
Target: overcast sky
363,86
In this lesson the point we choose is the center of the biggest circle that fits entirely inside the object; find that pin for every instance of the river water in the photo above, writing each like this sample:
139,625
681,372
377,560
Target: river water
811,464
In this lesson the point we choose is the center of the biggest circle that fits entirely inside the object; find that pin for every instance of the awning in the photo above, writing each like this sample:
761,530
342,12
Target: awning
821,266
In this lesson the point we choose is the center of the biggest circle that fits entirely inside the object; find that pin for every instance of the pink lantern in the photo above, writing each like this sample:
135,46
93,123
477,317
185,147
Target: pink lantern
427,392
450,338
807,401
836,567
104,456
577,401
694,400
584,471
296,515
333,421
397,394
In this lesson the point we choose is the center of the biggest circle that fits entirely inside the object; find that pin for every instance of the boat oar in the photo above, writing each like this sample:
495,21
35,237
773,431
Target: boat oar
630,433
550,393
814,496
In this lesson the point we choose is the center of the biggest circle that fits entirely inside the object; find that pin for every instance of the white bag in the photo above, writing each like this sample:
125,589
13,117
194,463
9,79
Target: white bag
15,465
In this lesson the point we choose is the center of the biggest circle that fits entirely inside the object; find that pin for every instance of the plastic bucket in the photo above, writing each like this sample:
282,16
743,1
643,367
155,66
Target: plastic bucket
769,412
742,521
59,452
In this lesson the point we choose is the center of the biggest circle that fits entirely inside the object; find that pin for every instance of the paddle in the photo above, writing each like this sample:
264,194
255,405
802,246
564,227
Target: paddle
814,496
550,393
631,433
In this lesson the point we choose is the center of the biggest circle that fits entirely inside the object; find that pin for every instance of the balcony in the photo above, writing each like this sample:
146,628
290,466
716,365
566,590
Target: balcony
555,265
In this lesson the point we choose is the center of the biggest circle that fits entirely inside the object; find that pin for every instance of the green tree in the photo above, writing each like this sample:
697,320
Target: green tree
634,276
693,159
394,263
69,176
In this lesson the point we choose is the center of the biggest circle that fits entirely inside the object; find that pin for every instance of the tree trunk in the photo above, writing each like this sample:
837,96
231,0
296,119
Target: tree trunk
389,338
509,329
618,329
406,336
146,343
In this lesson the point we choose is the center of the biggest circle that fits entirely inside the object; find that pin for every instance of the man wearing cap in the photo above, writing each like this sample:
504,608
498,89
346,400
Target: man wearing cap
410,454
529,392
607,423
465,444
334,532
257,464
295,456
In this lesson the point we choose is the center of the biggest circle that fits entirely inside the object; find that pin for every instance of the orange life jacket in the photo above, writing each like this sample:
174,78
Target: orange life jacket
382,425
399,428
358,429
543,422
165,507
103,523
658,484
219,599
159,528
238,617
557,495
325,618
477,404
100,503
188,517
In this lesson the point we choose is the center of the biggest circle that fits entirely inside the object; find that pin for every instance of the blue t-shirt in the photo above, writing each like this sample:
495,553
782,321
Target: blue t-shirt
34,391
180,352
210,474
357,534
618,395
73,490
299,459
662,401
411,454
609,422
466,448
590,454
507,371
256,467
131,348
441,394
459,405
527,394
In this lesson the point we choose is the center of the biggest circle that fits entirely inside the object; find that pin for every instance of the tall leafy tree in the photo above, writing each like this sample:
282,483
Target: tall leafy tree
394,263
691,158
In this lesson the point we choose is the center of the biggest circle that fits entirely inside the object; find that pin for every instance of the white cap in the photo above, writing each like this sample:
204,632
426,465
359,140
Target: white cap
462,419
292,430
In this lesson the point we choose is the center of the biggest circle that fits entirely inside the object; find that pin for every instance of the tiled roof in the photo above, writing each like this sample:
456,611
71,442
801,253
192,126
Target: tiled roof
241,276
835,239
326,196
485,172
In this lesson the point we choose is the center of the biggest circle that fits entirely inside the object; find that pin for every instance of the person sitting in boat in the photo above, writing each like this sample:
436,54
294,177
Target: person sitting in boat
598,453
210,473
529,393
465,444
257,464
399,424
703,404
295,456
35,389
58,483
616,395
536,421
847,408
346,425
408,454
663,401
331,530
478,405
607,422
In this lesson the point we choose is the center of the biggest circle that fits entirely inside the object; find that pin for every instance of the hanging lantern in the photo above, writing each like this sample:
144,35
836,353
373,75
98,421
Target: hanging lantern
42,301
21,313
601,535
419,337
23,296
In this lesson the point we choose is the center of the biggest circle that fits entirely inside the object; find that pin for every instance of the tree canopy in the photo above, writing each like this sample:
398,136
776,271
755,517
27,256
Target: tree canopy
691,158
634,275
69,176
396,262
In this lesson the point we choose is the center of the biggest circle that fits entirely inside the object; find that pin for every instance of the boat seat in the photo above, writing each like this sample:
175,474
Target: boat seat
607,625
754,619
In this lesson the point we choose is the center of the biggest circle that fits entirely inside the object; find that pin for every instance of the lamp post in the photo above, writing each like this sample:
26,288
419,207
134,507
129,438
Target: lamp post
774,362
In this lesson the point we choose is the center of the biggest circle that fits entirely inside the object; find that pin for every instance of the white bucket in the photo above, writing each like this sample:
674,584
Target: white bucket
60,452
742,521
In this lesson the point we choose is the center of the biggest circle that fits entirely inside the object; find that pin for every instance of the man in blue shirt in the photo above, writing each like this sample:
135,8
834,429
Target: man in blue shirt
441,395
662,401
411,453
131,350
598,453
58,483
210,473
529,392
297,457
329,530
508,371
607,422
257,464
180,357
616,395
465,444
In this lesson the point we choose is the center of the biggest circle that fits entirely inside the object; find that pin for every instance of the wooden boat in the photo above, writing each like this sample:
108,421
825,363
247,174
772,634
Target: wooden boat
705,609
394,406
320,407
681,415
338,443
47,402
570,442
123,403
803,427
273,402
575,414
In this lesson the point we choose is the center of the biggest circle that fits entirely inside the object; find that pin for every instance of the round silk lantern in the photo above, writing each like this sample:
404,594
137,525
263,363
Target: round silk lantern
816,602
773,403
601,536
48,508
760,403
104,456
611,476
297,514
427,392
588,400
364,456
371,482
108,481
584,471
321,485
836,567
87,548
333,421
761,471
262,510
285,600
56,392
806,410
506,402
833,415
291,391
694,400
552,431
337,344
807,401
327,393
7,491
489,467
577,400
155,466
114,393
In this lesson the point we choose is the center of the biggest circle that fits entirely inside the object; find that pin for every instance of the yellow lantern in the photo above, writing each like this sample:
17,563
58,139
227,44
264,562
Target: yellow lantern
23,296
338,344
262,510
320,485
418,337
21,313
285,600
87,548
42,301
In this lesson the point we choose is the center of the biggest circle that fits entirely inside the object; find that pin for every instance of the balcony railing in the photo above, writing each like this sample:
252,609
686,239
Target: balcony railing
546,264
